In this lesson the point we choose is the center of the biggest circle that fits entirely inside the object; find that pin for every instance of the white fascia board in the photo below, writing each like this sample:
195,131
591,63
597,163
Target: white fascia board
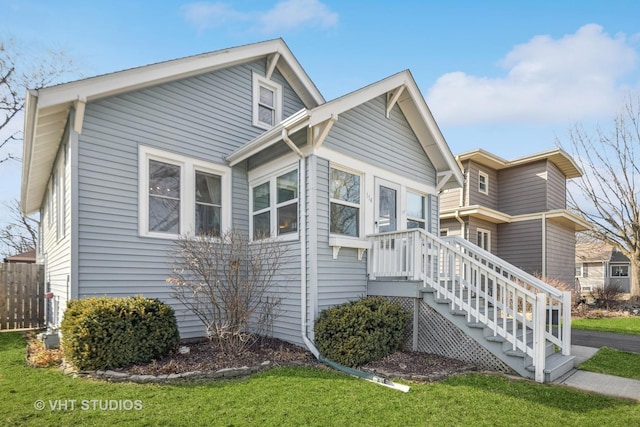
136,78
292,124
30,119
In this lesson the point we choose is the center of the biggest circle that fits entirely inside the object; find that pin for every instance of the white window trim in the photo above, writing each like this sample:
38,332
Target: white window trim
618,265
258,81
445,231
371,173
425,207
344,237
486,181
188,168
270,173
488,236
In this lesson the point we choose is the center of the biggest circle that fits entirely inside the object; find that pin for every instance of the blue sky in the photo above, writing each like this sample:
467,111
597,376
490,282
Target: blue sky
508,76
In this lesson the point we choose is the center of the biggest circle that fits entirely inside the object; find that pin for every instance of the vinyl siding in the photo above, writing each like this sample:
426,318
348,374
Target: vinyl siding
342,279
453,226
556,188
367,135
474,224
475,197
204,117
450,199
523,189
56,234
520,243
560,253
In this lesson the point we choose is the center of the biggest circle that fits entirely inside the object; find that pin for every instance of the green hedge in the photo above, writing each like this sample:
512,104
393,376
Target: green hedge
108,333
359,332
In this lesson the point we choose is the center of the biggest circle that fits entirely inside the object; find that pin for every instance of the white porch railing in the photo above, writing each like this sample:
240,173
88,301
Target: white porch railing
513,304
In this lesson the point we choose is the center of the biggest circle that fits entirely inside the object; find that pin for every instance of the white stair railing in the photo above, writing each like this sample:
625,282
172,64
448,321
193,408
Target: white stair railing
512,304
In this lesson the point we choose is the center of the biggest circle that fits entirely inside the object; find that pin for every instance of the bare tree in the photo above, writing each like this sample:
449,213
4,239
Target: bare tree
228,283
20,233
17,73
607,195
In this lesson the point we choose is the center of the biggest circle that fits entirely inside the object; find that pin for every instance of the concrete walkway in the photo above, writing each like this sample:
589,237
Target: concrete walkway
599,383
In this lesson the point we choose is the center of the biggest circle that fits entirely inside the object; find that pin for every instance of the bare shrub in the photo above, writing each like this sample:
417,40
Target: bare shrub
227,282
607,296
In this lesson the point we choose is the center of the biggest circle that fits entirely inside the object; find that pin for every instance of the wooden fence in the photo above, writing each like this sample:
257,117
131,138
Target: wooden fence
21,296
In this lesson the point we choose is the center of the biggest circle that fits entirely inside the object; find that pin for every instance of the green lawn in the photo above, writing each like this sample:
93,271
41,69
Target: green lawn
614,362
296,396
621,325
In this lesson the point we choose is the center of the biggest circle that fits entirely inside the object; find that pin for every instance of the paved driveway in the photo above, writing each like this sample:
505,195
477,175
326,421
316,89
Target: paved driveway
605,339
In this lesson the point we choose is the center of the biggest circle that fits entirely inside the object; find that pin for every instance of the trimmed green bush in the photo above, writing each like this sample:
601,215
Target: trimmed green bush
109,333
359,332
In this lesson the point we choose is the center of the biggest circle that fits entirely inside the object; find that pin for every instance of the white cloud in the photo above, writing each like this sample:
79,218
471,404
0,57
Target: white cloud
547,80
284,15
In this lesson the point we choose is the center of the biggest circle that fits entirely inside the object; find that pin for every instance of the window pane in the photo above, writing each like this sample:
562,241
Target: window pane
261,225
266,96
344,186
288,219
287,186
164,179
345,220
208,189
208,219
261,197
415,205
164,215
411,223
387,207
266,115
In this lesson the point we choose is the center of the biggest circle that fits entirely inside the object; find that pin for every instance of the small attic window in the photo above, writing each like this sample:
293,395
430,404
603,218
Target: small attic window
267,102
483,183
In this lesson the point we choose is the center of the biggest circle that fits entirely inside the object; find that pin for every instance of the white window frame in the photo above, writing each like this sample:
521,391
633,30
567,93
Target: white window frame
444,232
486,237
351,204
270,173
611,266
425,205
188,168
261,81
486,182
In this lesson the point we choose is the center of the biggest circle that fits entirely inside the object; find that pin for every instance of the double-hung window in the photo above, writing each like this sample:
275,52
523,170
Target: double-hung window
344,199
274,206
267,102
416,217
483,183
182,195
484,239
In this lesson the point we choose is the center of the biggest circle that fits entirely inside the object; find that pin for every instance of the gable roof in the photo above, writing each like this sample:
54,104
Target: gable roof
47,110
403,91
557,156
598,252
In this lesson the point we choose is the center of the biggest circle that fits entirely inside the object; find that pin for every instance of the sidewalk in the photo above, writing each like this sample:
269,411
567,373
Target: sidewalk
599,383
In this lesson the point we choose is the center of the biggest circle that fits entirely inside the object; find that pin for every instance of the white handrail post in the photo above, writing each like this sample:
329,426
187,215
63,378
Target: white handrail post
566,323
539,322
418,255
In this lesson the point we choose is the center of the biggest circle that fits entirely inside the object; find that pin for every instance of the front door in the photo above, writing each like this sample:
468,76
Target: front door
387,206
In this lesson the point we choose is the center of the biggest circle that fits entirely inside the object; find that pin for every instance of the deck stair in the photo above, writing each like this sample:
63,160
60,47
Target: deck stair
521,320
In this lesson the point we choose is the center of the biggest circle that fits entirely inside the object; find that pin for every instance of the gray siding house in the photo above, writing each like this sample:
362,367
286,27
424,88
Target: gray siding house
516,209
120,165
599,265
243,126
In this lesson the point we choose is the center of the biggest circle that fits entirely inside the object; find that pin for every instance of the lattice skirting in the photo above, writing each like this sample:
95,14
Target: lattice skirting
437,335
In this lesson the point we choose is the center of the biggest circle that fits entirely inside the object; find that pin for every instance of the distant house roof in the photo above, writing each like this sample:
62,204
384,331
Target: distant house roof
25,257
557,156
598,252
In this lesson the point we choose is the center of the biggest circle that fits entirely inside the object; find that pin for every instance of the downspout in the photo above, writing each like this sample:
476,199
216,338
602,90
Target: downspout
462,226
544,244
303,283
